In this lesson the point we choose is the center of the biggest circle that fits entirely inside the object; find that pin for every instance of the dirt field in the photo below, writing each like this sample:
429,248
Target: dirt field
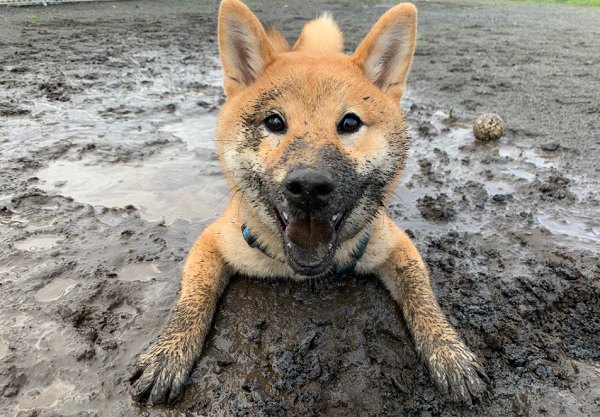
108,173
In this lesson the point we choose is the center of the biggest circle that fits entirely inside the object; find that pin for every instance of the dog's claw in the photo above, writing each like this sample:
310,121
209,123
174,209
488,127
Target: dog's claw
159,376
457,373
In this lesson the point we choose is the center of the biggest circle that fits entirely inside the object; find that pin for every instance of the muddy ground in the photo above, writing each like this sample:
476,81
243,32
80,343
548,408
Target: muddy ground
108,174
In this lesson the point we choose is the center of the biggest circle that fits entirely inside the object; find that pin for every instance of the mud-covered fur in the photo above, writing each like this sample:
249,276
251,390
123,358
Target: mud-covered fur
312,143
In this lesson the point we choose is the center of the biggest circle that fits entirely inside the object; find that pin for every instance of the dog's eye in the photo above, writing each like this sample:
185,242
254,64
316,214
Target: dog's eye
349,124
275,123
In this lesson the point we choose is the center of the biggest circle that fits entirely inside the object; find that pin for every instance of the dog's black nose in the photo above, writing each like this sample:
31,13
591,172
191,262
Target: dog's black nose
308,189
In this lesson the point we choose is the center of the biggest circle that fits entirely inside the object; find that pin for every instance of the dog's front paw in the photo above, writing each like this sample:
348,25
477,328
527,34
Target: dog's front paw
457,373
159,375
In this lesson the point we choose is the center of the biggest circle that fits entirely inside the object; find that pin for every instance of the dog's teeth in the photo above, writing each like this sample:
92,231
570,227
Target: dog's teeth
335,217
330,246
285,216
289,245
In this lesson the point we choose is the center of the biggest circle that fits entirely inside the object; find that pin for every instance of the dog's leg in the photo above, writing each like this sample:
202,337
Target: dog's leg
454,369
160,373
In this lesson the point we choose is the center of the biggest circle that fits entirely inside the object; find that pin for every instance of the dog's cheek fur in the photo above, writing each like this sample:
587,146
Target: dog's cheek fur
379,171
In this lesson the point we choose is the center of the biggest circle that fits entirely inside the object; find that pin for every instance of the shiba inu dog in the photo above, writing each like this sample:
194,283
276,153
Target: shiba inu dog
312,142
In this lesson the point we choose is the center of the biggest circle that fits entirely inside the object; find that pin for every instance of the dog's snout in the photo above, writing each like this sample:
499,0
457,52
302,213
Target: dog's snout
308,189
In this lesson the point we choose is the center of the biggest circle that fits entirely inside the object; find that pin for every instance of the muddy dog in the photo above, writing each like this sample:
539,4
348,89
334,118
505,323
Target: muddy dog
312,142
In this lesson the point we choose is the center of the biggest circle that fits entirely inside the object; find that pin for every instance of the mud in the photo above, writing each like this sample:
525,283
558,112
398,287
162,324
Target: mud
108,174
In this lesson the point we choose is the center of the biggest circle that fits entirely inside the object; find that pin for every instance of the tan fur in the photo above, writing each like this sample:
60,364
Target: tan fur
321,36
313,84
391,43
278,41
240,30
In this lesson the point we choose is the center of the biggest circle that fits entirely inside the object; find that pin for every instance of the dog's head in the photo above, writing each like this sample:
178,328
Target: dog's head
314,140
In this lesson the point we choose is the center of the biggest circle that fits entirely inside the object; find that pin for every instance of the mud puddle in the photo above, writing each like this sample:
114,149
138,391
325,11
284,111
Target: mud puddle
500,172
3,348
575,226
37,243
55,290
139,272
179,182
165,185
49,397
585,385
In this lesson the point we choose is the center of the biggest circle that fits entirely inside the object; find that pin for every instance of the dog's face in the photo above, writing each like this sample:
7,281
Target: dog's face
314,140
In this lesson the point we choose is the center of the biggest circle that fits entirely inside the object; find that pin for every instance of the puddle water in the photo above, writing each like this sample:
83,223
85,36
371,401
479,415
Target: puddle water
37,243
177,183
519,173
526,155
196,133
3,348
111,219
48,397
49,340
576,226
15,321
589,375
450,143
584,390
516,165
139,272
185,182
124,308
55,290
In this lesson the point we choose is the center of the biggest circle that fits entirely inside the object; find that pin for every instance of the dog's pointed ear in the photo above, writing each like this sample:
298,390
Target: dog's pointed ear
243,44
385,54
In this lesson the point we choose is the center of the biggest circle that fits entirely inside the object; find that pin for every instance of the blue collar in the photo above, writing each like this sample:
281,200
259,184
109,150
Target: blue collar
356,255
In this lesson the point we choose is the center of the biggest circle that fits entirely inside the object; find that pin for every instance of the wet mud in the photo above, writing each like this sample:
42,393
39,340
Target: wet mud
109,173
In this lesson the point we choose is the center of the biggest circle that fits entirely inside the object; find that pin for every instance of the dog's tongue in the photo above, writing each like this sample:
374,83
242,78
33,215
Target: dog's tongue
309,241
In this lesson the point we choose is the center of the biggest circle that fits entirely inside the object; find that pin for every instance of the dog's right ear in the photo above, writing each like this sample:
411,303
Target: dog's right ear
386,52
243,44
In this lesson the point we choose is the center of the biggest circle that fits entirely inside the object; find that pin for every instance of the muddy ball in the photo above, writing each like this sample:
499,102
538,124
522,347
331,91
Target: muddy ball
488,127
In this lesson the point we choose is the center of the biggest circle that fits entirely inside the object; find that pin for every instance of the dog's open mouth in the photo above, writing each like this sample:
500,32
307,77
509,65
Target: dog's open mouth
310,242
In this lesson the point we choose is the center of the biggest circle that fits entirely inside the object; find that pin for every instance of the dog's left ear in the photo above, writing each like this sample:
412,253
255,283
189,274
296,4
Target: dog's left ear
386,52
244,46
